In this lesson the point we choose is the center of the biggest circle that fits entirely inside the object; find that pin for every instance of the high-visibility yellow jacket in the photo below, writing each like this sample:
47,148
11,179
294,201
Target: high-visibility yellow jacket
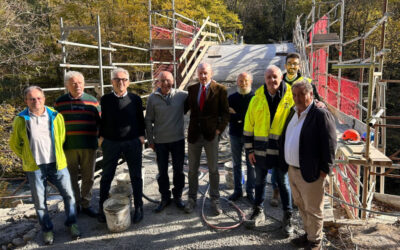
299,78
261,137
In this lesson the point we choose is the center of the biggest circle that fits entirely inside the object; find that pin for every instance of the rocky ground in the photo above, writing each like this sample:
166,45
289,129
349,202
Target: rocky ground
173,229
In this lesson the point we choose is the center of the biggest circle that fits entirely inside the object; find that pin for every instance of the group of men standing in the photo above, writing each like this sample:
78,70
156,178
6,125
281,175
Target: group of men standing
277,125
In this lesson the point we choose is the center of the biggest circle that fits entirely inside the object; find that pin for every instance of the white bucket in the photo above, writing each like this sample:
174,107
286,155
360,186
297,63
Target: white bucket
229,175
117,212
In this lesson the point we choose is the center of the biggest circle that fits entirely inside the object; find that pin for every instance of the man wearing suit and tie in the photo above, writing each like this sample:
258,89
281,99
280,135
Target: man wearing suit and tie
209,114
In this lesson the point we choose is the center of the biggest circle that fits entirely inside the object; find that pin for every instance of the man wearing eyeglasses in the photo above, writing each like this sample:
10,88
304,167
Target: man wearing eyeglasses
165,134
122,131
37,138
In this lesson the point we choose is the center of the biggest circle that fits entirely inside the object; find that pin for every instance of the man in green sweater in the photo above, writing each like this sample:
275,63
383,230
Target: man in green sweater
81,113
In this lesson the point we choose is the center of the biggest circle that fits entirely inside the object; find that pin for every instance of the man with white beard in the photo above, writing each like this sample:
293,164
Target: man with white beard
238,103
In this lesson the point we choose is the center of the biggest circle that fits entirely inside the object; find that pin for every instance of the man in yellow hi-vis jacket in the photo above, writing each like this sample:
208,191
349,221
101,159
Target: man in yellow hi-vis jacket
264,122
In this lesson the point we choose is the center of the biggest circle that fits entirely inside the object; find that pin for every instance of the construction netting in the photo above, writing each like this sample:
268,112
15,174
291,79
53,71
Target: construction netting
344,96
347,98
184,33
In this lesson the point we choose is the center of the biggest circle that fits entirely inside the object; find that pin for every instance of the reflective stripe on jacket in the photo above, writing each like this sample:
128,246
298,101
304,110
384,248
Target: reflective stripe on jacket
19,140
260,136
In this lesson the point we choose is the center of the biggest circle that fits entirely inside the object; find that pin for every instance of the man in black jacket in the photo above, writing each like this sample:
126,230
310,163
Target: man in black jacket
122,130
307,148
238,103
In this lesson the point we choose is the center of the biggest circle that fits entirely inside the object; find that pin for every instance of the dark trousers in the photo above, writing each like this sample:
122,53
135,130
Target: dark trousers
132,151
282,180
177,150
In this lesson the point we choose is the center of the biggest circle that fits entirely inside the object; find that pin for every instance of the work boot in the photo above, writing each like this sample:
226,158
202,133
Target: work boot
274,202
74,231
235,196
190,205
163,204
300,242
313,245
48,238
216,207
138,215
287,223
256,218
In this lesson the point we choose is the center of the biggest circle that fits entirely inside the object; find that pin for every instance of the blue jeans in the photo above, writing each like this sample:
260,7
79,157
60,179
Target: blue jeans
177,150
132,151
237,143
38,183
282,180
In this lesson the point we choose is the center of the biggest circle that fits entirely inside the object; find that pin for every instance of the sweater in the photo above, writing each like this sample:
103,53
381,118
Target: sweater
164,117
121,117
82,118
239,103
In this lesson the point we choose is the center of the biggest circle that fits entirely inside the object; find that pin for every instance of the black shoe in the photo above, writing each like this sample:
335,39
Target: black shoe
163,204
235,196
250,198
179,202
101,218
287,223
89,211
138,215
300,242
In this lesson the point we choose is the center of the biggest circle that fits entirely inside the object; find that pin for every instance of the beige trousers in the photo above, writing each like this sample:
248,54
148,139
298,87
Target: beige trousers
309,198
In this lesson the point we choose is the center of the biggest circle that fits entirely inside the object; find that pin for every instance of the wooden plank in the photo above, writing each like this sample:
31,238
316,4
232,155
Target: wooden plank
198,60
354,155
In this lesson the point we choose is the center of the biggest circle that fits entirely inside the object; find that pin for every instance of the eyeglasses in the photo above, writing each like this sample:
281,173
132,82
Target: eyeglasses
33,99
292,64
120,79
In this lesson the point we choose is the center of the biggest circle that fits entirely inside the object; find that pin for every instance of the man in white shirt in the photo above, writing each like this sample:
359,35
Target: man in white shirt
308,151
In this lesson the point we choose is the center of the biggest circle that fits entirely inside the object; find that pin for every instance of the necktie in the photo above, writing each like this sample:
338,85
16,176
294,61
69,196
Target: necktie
202,97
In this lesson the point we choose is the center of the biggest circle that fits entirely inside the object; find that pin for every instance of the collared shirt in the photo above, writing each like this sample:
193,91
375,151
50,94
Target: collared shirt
200,89
40,140
292,137
120,96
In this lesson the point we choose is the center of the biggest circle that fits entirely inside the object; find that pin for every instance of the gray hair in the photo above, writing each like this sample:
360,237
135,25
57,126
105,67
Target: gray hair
272,67
114,72
303,84
71,74
204,65
244,74
30,88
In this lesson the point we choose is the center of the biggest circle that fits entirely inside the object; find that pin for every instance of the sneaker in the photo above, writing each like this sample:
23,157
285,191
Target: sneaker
74,231
48,238
216,207
287,223
256,218
235,196
300,242
190,205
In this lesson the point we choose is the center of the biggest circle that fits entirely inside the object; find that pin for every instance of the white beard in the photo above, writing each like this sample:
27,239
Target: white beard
243,91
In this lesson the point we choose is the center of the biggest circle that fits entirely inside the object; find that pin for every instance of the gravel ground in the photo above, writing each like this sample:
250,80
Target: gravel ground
172,228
